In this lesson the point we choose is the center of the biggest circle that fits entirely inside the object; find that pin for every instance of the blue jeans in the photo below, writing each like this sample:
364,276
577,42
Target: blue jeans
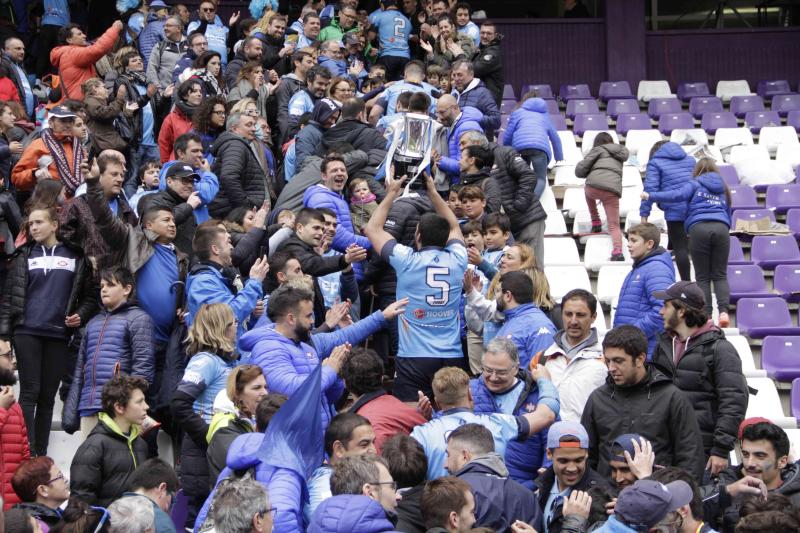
537,159
137,158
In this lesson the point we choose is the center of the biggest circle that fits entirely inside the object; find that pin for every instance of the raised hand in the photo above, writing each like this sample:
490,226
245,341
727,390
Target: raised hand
354,254
641,464
579,503
259,269
194,200
337,357
395,309
424,405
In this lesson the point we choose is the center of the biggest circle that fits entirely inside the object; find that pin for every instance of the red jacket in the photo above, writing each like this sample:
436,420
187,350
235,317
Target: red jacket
8,91
13,450
388,416
76,63
175,124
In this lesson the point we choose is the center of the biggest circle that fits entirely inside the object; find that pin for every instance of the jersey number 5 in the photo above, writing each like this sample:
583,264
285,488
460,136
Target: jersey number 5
432,278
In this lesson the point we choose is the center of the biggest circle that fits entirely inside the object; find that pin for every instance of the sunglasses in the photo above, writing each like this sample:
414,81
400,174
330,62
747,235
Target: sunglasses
208,9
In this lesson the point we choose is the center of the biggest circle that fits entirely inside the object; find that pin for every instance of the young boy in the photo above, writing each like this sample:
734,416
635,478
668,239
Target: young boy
149,178
474,202
434,75
455,203
117,340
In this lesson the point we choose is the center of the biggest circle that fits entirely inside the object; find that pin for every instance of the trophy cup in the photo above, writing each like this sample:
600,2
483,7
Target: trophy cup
410,151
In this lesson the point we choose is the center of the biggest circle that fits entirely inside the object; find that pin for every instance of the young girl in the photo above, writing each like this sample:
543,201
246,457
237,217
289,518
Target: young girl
602,168
708,223
362,203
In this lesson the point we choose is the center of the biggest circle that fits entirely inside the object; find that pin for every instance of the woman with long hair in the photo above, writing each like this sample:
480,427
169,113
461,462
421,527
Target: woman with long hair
78,517
47,193
708,224
208,69
251,82
179,120
209,122
211,343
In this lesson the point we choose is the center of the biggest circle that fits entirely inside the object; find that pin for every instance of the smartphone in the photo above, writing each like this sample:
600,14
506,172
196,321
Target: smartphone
262,251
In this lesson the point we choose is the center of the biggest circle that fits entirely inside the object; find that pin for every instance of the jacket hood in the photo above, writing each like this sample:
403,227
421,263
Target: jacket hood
671,150
491,463
57,53
791,480
251,338
472,113
243,452
657,254
712,182
537,105
348,513
320,189
617,151
225,138
468,179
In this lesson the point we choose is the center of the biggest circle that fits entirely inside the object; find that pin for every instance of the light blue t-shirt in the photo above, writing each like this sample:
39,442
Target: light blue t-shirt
300,103
205,375
388,100
394,29
431,279
507,401
471,29
148,119
433,435
26,87
56,13
136,25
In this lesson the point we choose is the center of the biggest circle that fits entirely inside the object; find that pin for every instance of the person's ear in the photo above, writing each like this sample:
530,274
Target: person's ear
782,462
452,520
119,409
366,490
127,290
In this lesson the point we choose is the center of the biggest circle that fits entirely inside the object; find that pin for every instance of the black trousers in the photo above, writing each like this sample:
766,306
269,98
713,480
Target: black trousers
709,244
679,242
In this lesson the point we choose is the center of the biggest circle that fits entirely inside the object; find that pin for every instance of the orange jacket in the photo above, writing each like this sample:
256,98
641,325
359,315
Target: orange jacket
22,176
76,63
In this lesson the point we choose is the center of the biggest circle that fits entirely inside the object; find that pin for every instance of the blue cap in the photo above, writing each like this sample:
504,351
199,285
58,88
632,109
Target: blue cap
158,4
646,502
559,430
624,442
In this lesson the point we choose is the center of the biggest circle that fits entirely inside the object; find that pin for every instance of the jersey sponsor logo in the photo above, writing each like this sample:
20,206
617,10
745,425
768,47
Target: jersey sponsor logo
51,263
193,377
422,314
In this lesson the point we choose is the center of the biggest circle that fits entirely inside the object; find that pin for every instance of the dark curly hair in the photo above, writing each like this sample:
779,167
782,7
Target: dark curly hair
363,371
201,120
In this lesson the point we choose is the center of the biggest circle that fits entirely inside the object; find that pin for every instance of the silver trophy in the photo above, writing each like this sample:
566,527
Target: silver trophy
410,151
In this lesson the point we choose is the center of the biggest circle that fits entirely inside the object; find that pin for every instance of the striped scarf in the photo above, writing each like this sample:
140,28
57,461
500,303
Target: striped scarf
70,179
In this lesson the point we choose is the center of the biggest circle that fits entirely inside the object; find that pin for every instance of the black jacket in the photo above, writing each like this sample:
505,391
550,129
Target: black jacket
242,181
41,512
271,58
409,514
234,66
544,484
515,181
489,187
710,373
185,222
289,85
103,463
9,63
246,246
217,452
487,62
83,297
654,408
362,136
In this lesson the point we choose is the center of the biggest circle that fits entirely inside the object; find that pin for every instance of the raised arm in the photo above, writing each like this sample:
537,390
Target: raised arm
374,228
443,210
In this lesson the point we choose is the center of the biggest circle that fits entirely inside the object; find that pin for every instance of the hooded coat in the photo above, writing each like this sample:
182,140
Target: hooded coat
602,167
14,449
530,127
469,120
477,95
669,168
242,181
350,513
351,131
706,197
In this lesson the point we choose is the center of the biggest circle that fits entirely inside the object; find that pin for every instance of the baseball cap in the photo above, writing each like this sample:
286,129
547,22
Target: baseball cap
158,4
686,291
351,38
180,171
623,442
324,108
61,111
751,421
562,429
646,502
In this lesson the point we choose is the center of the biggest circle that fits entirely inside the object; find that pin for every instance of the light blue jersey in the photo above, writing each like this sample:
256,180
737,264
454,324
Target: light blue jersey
300,103
431,279
388,99
471,29
433,435
394,29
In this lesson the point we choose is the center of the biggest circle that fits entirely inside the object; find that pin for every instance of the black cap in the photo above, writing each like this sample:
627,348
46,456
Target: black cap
61,111
181,170
686,291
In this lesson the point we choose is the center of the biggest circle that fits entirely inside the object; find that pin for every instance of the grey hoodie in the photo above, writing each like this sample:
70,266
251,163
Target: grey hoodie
602,167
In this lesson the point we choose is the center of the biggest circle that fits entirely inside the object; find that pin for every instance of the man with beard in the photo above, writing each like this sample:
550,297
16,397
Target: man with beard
252,50
317,80
277,53
705,366
14,447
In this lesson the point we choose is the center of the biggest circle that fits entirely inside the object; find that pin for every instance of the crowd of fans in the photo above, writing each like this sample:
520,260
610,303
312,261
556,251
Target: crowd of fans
205,237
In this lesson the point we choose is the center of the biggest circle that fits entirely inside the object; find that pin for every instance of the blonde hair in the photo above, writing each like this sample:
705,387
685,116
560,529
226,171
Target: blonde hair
207,333
450,386
541,287
241,105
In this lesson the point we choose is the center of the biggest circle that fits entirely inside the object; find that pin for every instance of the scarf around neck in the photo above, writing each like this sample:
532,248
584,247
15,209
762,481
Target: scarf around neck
71,179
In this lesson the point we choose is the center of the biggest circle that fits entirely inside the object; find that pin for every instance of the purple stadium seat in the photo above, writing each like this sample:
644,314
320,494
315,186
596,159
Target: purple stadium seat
793,221
783,103
768,89
569,92
793,119
578,106
543,90
787,282
741,105
617,106
552,107
674,121
781,198
589,121
743,197
559,122
614,89
760,317
508,106
769,251
751,214
779,357
736,254
180,509
705,104
755,120
712,121
508,92
661,106
687,91
504,121
796,398
729,174
632,121
747,281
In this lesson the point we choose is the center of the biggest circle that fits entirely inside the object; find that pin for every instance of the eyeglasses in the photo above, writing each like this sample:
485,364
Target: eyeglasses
497,372
208,9
9,354
251,112
271,510
392,484
103,519
59,476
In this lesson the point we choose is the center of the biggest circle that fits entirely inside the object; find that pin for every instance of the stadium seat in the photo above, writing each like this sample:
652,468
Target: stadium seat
542,90
786,282
610,280
555,224
662,106
783,103
508,106
747,281
742,346
572,155
569,92
745,152
793,119
779,357
565,278
769,251
617,106
768,89
766,403
772,136
565,177
788,154
656,218
705,104
597,252
781,198
587,142
548,200
727,138
675,121
582,222
736,253
600,322
639,142
743,197
649,89
577,106
508,92
760,317
713,121
630,200
751,214
614,89
729,175
561,251
552,107
741,105
687,91
755,120
631,177
694,135
589,121
727,89
632,121
559,122
795,399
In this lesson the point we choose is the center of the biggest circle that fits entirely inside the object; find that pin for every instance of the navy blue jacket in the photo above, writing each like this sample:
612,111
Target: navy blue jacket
530,127
706,199
670,168
478,96
350,513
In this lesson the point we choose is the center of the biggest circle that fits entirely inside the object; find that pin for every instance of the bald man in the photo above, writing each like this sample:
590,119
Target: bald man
459,121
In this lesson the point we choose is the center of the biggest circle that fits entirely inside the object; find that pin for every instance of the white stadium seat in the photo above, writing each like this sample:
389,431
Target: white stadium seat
767,403
742,346
587,141
555,224
649,89
561,251
773,136
563,279
729,88
609,282
597,252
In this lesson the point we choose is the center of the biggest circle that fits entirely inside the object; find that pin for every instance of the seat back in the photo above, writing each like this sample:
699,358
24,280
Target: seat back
783,103
741,105
705,104
762,312
772,136
714,120
746,279
727,89
687,91
744,197
755,120
770,250
578,90
649,89
787,281
659,106
617,106
767,89
632,121
614,89
589,121
783,197
576,106
735,252
672,121
729,174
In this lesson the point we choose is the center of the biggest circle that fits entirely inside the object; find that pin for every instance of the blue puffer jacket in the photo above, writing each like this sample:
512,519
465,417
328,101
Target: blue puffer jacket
530,127
478,96
337,67
151,35
670,168
349,513
287,363
320,196
122,337
706,200
470,120
523,459
217,36
530,329
637,305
